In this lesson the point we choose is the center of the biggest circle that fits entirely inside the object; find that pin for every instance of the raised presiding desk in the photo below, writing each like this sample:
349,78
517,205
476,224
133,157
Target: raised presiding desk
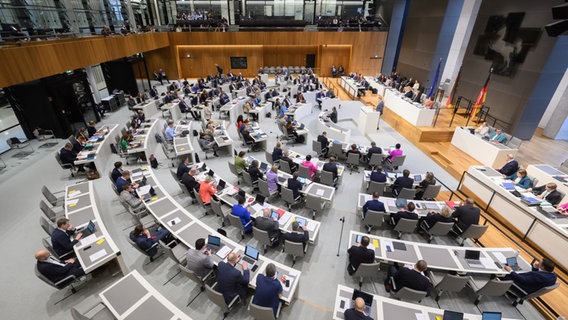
97,249
415,114
187,228
350,85
440,257
422,206
546,174
133,298
531,223
486,152
384,308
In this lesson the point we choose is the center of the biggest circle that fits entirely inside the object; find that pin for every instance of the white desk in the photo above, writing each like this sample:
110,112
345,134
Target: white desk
368,120
381,88
546,173
416,115
100,153
334,131
489,154
183,145
146,139
234,107
150,107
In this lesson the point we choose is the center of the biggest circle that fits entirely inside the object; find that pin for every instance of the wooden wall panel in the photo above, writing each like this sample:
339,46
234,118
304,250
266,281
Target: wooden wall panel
204,58
287,55
334,55
35,60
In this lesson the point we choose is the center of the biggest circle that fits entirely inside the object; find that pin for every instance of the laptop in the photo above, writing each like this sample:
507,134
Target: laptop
88,230
472,257
240,194
368,298
491,315
213,243
550,212
221,186
258,200
203,168
143,181
508,186
417,177
211,173
452,315
302,126
512,262
401,203
251,256
263,166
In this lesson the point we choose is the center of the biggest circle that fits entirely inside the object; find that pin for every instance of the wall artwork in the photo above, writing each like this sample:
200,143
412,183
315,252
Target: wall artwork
505,43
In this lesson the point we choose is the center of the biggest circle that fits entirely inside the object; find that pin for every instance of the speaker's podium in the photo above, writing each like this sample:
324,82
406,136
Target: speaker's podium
368,120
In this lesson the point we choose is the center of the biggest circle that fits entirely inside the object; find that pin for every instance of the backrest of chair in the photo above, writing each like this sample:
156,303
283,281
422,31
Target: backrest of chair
236,221
406,225
326,178
313,202
440,228
76,315
132,243
217,298
316,146
247,178
216,207
375,186
43,278
46,225
198,197
353,158
169,252
410,294
232,168
260,235
190,274
287,195
49,213
285,166
263,188
58,158
304,172
431,191
368,269
50,197
495,288
534,182
47,245
374,218
258,312
9,142
336,149
474,231
376,159
407,193
542,291
398,161
294,248
453,283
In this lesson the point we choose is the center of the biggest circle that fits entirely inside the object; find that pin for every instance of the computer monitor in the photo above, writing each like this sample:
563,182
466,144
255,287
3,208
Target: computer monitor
214,240
222,184
259,198
264,166
211,173
242,193
452,315
472,254
491,315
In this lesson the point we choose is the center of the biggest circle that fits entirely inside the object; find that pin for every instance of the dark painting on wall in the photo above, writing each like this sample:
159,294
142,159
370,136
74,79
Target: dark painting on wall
505,43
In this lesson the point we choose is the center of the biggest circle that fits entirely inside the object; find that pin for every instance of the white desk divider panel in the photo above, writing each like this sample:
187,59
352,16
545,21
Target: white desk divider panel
489,154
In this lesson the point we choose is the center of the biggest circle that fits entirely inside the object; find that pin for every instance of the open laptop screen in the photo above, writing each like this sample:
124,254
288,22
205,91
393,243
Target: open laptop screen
251,252
487,315
360,294
213,240
452,315
472,254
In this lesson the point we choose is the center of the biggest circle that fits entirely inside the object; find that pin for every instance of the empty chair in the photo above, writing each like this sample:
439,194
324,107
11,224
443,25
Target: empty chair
449,283
317,148
396,162
285,166
474,231
376,159
268,156
378,187
101,313
373,219
236,222
288,197
169,153
439,229
15,143
304,172
262,237
353,161
191,275
220,210
65,166
326,178
263,189
405,226
264,313
233,170
431,192
492,288
248,181
538,293
176,253
366,270
43,134
316,204
296,249
47,225
217,298
49,212
407,193
336,151
408,294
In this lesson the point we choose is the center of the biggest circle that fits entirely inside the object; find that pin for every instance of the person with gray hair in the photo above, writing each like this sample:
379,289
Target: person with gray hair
510,167
269,289
296,235
270,225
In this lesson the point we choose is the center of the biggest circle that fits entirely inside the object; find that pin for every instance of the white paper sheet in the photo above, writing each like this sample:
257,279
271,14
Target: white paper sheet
487,263
174,221
422,316
74,194
88,240
388,243
74,201
320,192
291,279
97,255
311,225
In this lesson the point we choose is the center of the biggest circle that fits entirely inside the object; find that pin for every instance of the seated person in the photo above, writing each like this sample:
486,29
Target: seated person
272,179
240,162
291,163
269,224
420,188
402,182
170,132
549,193
410,278
268,289
483,129
199,259
466,215
322,138
255,172
56,270
373,149
378,175
230,281
406,214
277,152
91,129
60,238
373,204
497,137
358,254
188,180
79,143
68,156
207,144
298,234
295,185
510,167
117,171
563,209
311,166
432,217
241,211
129,196
183,167
146,240
357,312
248,139
521,179
429,103
396,152
542,275
247,108
207,189
122,180
291,130
354,150
331,166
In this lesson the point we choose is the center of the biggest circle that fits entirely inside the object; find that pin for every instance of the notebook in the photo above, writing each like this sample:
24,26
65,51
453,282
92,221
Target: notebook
531,201
508,186
472,257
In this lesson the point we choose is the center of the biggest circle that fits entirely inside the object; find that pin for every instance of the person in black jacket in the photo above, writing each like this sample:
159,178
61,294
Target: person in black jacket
331,166
298,236
378,175
60,237
398,278
291,163
549,193
466,215
406,214
277,152
358,254
295,185
357,312
117,171
56,270
402,182
254,171
322,138
188,180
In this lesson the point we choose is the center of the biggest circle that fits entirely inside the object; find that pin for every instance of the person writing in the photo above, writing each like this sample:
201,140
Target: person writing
199,259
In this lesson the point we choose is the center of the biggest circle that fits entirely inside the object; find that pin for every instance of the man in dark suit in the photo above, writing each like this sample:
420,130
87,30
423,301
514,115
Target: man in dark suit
154,92
322,138
510,167
373,149
254,171
295,185
373,204
333,115
358,254
56,270
277,152
146,240
542,275
68,156
357,312
291,163
549,193
183,167
224,98
270,225
298,236
117,171
188,180
331,166
230,281
466,215
409,278
378,175
402,182
60,238
406,214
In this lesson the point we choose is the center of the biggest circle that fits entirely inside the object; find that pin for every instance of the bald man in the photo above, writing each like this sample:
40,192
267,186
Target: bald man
357,312
230,281
56,270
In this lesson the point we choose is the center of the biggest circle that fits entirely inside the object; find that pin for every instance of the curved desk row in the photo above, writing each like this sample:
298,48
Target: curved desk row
97,249
100,151
188,228
415,114
440,257
146,139
334,131
551,235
